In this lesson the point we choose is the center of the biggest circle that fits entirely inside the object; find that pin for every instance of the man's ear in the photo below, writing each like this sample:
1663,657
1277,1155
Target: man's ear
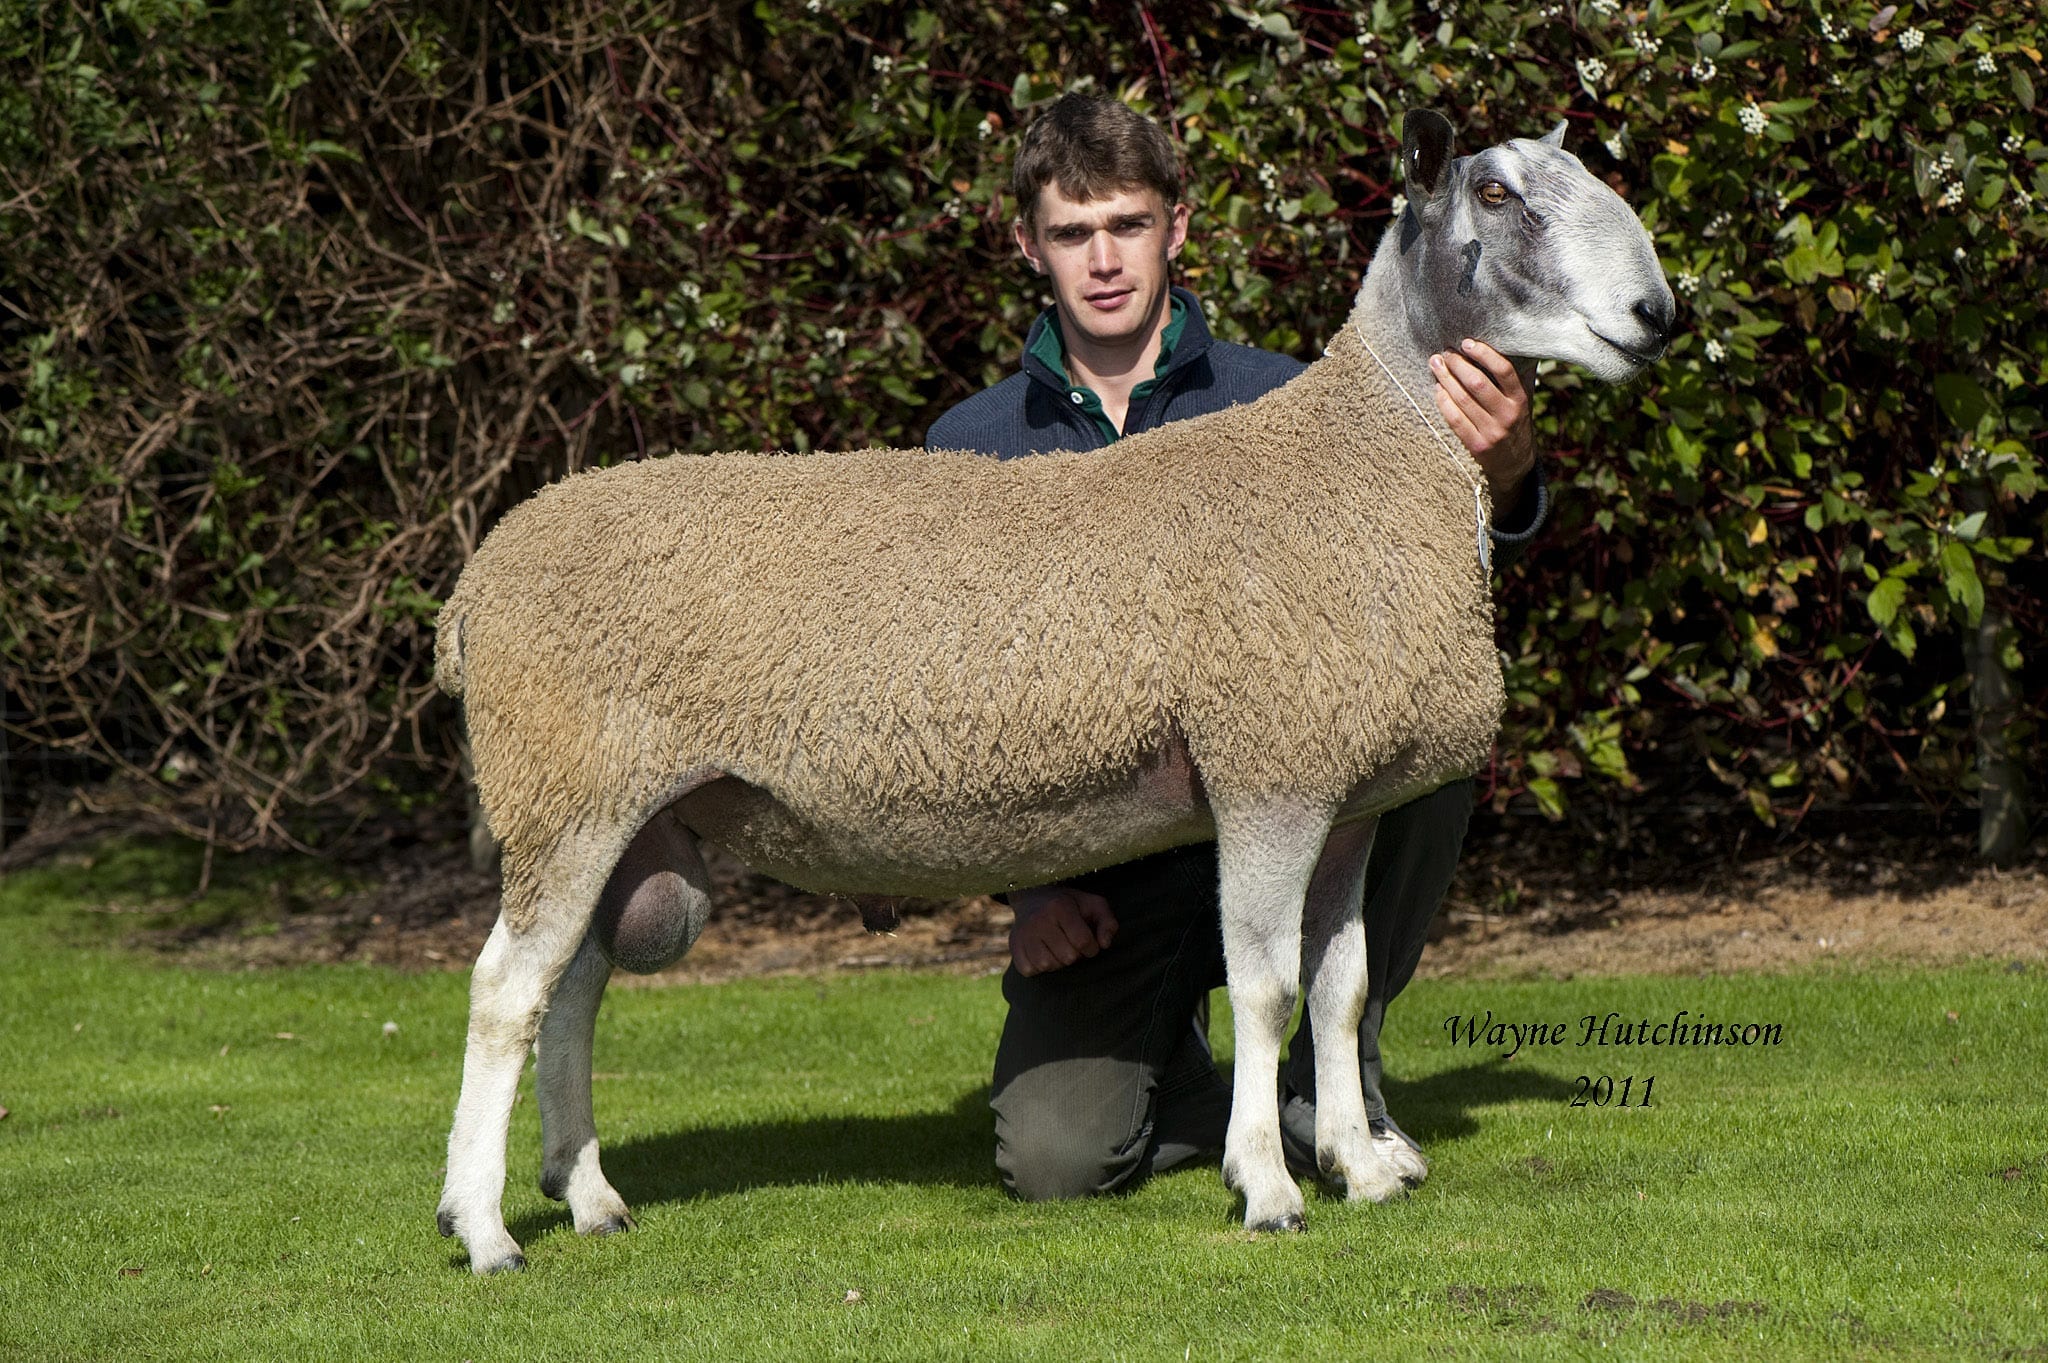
1177,231
1026,246
1425,152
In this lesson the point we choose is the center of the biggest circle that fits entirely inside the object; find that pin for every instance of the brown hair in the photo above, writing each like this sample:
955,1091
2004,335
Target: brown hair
1093,146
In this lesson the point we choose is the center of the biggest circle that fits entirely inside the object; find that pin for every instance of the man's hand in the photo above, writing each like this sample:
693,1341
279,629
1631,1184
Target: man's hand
1057,926
1483,401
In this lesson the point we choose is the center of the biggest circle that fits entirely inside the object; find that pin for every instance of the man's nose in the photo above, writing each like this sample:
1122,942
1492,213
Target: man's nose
1102,257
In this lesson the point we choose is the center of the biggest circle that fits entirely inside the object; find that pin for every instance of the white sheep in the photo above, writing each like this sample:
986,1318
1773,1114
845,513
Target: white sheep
1264,626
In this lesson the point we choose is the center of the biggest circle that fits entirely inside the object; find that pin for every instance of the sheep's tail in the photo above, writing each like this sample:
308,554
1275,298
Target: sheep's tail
448,650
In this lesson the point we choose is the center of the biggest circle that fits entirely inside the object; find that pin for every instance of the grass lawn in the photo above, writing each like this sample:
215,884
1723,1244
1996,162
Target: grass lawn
202,1165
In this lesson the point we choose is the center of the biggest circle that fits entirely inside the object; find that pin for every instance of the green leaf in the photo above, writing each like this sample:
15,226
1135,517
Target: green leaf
1959,576
2022,87
1885,599
1548,797
1961,399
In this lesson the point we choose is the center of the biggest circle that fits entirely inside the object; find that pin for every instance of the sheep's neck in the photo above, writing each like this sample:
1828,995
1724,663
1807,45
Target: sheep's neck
1389,318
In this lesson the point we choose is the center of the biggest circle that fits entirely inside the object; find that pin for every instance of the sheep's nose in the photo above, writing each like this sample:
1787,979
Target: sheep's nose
1658,315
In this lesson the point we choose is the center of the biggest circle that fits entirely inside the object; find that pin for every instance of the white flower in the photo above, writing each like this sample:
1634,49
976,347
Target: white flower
835,337
986,128
1269,175
884,64
814,5
526,341
1947,162
1688,284
1910,40
1953,195
1400,204
618,172
2013,144
1646,45
1986,65
1830,32
1961,255
1591,69
689,290
648,175
1715,352
587,357
955,208
1058,8
630,374
1703,70
1874,281
1753,119
1603,7
2023,199
712,321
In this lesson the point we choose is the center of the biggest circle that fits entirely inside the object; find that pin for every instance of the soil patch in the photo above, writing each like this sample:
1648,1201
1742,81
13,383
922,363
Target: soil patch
1511,913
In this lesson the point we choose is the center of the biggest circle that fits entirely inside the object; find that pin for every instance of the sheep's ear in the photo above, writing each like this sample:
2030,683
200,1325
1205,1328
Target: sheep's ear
1425,152
1555,137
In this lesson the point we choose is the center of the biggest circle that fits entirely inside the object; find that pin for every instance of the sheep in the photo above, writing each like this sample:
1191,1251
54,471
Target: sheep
1263,626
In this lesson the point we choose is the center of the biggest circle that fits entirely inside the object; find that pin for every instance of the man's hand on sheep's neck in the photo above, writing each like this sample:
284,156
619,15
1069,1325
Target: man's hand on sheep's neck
1484,403
1057,926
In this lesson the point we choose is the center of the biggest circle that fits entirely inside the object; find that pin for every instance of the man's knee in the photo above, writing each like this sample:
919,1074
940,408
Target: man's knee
1052,1162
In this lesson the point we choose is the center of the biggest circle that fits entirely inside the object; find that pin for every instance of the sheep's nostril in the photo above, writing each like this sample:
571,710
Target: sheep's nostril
1656,316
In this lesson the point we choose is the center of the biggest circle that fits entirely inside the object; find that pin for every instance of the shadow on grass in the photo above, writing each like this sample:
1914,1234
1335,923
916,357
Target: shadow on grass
1442,1107
955,1148
949,1149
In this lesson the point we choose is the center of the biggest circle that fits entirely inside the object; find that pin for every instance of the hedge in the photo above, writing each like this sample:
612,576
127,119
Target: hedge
300,297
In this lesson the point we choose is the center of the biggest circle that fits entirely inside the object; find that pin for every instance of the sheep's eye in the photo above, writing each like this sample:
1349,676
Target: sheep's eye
1493,194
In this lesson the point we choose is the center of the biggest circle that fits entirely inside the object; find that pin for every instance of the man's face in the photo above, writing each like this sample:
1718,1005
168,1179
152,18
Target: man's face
1106,258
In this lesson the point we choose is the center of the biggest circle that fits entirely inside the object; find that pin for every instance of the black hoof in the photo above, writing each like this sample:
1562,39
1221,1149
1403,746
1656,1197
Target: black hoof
556,1189
446,1221
1293,1221
515,1264
613,1225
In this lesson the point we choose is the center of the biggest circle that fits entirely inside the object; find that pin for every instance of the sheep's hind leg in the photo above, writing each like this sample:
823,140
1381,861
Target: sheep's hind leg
1334,975
561,1080
653,906
1267,852
509,991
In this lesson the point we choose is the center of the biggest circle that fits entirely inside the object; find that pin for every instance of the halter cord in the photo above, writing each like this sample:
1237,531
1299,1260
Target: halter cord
1485,544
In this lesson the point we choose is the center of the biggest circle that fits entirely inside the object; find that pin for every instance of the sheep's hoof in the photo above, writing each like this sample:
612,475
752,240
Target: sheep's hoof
1291,1221
613,1225
515,1264
444,1220
554,1187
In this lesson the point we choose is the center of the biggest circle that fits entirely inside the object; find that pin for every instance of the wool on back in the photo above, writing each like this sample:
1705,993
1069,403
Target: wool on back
902,637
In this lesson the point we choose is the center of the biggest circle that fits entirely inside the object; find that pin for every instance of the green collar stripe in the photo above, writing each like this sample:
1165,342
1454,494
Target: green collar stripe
1051,351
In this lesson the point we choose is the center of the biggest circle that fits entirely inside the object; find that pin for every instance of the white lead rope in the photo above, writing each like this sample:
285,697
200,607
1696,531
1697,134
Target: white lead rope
1485,541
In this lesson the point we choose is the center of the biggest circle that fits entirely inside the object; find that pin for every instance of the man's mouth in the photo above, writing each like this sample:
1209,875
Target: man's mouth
1109,301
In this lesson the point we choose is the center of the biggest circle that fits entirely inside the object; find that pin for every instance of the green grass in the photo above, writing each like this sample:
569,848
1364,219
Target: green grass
178,1181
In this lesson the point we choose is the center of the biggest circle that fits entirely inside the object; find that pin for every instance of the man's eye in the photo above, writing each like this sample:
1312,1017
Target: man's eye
1493,194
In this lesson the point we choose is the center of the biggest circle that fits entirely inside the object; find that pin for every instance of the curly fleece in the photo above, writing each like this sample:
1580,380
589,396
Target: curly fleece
934,673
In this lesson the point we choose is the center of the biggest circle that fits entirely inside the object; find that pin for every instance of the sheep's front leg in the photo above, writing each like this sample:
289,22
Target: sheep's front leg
509,990
1334,975
1266,852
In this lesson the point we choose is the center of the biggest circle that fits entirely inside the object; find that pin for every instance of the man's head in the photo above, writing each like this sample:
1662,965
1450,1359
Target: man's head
1099,213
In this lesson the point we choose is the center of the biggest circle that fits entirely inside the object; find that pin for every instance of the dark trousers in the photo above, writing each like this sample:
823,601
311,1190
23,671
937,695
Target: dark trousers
1101,1077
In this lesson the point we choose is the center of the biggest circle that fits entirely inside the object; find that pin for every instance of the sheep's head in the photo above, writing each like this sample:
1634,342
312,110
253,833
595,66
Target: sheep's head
1521,247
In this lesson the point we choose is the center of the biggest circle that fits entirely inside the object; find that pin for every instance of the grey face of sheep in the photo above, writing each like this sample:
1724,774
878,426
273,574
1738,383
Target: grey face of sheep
1521,247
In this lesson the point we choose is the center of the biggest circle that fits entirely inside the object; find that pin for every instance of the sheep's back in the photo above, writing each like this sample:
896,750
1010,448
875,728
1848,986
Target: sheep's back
843,630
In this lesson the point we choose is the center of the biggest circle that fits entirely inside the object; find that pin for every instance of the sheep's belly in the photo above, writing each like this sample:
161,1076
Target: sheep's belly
938,850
